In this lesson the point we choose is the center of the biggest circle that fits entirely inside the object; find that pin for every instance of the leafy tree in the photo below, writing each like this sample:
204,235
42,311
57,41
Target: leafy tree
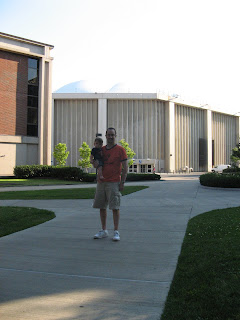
85,153
235,156
129,151
61,154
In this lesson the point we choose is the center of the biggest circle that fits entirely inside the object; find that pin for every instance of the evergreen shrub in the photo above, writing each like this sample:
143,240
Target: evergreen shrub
42,171
220,180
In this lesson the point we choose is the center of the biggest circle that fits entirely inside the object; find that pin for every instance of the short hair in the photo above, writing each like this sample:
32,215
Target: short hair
98,139
110,128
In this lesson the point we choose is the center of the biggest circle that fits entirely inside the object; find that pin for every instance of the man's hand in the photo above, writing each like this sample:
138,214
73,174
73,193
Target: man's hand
121,186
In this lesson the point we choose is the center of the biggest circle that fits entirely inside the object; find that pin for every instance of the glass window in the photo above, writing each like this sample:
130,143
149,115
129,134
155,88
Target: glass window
32,90
143,168
32,76
33,102
32,116
32,130
33,63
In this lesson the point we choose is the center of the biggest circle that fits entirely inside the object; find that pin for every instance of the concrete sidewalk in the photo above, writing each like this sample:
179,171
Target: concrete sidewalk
57,271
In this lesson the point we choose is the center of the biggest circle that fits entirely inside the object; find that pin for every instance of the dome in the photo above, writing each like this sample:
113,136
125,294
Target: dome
133,87
83,86
99,86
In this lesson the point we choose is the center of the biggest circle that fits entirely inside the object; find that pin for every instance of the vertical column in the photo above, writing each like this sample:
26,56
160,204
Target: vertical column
209,139
102,117
41,110
48,112
52,134
45,112
237,129
170,137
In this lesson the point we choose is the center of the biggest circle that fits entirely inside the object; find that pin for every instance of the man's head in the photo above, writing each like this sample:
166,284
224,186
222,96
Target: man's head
98,142
111,136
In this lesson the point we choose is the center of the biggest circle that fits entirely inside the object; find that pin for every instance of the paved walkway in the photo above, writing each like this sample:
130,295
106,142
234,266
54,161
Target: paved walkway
57,271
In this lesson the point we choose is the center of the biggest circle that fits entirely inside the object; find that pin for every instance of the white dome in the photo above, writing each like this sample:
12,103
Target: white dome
133,87
93,86
83,86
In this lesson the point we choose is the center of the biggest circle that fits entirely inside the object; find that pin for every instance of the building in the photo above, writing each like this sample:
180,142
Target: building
25,102
166,132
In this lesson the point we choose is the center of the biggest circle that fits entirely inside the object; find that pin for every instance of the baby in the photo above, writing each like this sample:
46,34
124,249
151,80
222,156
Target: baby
96,154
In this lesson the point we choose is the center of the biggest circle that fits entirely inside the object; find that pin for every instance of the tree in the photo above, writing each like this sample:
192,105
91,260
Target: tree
129,151
235,156
61,154
85,153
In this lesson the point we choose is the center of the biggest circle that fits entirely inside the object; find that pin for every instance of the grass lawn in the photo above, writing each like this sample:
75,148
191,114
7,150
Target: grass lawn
207,279
83,193
13,219
34,182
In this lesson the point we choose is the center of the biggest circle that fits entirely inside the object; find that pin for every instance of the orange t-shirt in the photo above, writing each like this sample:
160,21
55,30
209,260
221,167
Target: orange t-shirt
113,159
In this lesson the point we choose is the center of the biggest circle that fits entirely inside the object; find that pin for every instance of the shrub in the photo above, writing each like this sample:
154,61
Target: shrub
32,171
142,176
220,180
39,171
85,153
232,170
91,177
61,154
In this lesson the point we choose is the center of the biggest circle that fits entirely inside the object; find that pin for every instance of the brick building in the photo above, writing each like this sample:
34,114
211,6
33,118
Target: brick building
25,102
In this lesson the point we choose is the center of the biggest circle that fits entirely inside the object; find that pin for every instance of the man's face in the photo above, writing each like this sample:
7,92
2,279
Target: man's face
111,136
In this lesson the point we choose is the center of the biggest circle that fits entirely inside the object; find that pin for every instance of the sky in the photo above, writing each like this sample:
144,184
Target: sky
185,47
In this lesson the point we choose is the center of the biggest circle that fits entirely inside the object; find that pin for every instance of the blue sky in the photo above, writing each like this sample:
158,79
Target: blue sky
185,47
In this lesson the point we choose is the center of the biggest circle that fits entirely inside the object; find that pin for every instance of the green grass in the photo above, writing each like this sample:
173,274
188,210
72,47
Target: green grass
207,279
81,193
13,219
34,182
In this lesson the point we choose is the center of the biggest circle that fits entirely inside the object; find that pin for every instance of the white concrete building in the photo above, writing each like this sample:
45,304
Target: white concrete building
164,131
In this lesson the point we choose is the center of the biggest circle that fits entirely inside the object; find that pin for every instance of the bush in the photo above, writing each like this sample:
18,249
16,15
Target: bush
220,180
142,176
42,171
70,173
232,170
89,177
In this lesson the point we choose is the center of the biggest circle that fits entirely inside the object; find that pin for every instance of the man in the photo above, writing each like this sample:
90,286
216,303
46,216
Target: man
108,190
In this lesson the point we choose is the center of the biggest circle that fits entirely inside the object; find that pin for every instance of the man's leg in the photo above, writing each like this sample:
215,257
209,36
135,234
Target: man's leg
103,217
102,233
116,216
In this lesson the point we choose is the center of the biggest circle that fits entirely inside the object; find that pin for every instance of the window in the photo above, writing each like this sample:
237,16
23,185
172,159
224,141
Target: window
143,168
133,168
33,82
149,168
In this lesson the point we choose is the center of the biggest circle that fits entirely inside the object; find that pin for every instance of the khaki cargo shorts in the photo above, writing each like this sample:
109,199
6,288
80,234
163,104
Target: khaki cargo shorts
107,193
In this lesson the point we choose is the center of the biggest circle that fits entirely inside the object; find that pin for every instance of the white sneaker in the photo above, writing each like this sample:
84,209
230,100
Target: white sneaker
101,234
116,236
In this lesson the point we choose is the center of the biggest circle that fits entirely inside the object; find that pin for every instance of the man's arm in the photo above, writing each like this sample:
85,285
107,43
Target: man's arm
124,174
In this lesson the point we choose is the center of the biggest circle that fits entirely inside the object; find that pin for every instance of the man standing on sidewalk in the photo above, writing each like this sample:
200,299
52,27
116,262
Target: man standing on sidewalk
108,189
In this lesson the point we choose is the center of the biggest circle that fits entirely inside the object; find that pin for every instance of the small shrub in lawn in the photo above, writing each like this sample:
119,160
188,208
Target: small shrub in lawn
42,171
220,180
142,176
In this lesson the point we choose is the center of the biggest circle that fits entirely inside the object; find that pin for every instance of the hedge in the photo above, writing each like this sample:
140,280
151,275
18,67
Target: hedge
232,170
42,171
70,173
220,180
142,176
